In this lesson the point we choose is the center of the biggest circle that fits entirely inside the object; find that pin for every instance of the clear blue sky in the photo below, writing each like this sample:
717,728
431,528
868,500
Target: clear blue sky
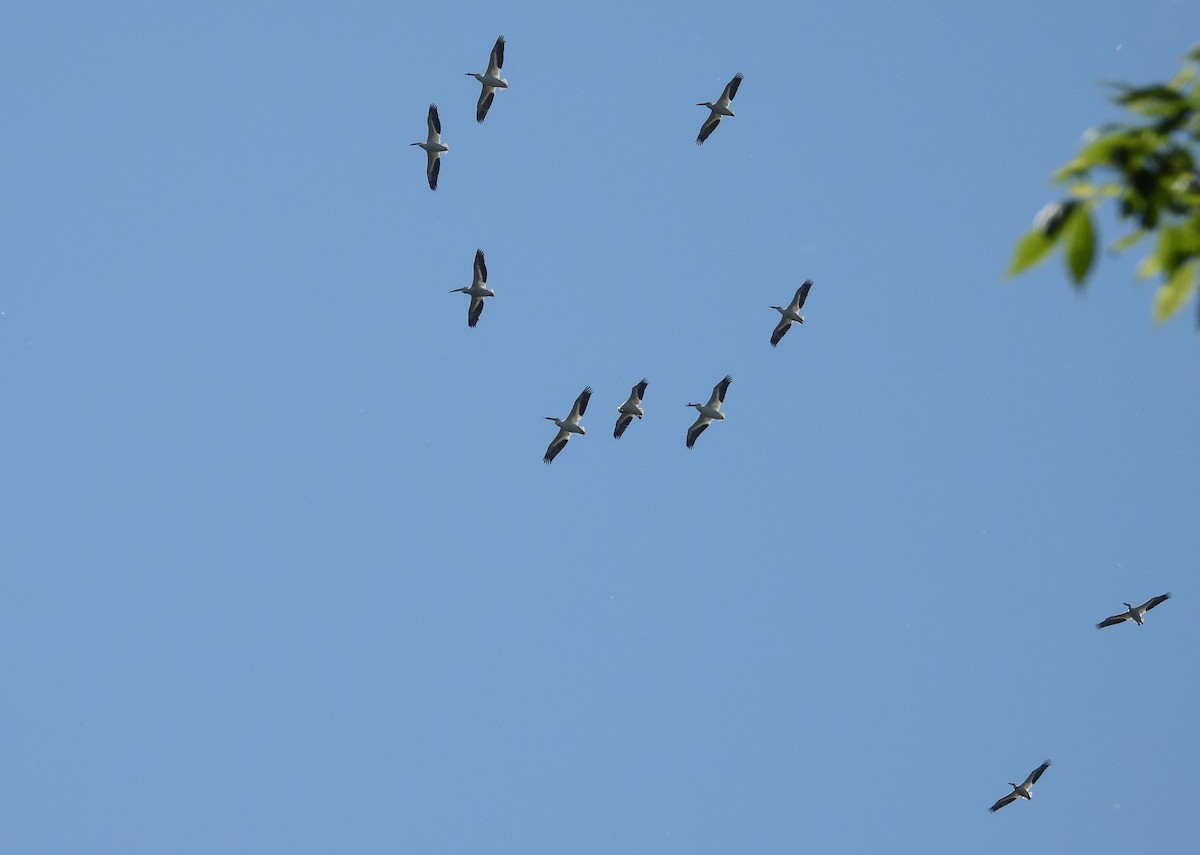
283,570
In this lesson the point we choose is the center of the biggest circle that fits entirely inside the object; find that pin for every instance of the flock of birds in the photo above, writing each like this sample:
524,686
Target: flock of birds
479,291
491,81
708,412
1137,614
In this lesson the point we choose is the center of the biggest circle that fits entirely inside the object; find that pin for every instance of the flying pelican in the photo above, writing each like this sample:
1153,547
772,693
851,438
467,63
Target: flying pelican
709,411
569,425
433,146
491,80
791,313
1135,613
719,109
478,289
1022,791
632,407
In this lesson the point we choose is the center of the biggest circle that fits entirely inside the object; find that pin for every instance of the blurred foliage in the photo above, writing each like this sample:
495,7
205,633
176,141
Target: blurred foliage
1148,169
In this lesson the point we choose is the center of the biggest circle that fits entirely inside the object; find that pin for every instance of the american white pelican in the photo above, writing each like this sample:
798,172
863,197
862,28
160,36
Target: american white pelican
1135,613
1023,790
569,425
632,407
709,411
433,146
478,289
719,109
490,79
791,313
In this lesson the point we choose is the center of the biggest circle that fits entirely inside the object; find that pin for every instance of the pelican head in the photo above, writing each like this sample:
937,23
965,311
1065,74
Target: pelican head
1127,605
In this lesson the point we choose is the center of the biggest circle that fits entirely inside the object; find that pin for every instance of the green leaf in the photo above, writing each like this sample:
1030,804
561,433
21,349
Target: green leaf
1176,291
1081,246
1107,146
1153,101
1170,252
1148,267
1030,249
1129,240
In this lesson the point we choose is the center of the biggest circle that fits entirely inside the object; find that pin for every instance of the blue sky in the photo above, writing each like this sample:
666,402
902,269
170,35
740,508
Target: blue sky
284,571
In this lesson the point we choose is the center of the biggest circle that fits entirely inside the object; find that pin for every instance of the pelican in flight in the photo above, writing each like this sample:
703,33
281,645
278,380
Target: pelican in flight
791,313
490,79
568,426
632,407
719,109
1136,614
478,289
433,146
1023,790
709,412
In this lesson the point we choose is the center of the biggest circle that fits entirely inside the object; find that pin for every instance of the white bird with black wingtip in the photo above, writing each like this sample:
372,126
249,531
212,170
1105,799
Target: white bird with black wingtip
709,412
631,409
490,79
1137,614
568,426
1024,790
477,290
433,146
791,314
719,109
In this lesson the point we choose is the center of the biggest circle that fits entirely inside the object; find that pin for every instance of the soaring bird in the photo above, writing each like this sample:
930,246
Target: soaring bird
719,109
490,79
433,146
1136,614
478,289
632,407
709,412
791,313
1023,790
568,426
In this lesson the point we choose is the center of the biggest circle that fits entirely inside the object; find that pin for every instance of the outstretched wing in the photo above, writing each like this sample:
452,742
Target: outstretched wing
497,59
474,311
710,125
480,266
485,102
1007,800
580,406
696,429
1113,621
1035,774
731,89
721,388
802,294
781,329
1154,601
559,443
432,168
623,421
435,124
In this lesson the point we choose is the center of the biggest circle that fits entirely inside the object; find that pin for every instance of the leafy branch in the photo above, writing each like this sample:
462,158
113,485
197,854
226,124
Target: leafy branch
1148,168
